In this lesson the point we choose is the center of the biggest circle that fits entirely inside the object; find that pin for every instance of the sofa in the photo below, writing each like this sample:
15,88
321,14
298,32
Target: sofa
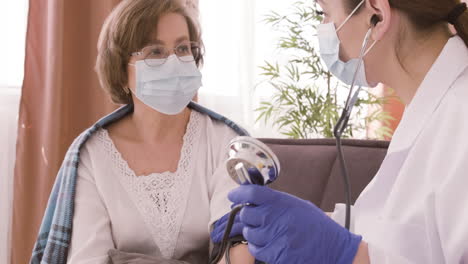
311,170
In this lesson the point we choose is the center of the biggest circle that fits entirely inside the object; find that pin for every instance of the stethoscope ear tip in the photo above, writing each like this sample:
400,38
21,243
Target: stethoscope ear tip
375,19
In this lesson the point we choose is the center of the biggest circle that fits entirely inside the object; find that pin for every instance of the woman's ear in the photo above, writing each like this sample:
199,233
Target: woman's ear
380,19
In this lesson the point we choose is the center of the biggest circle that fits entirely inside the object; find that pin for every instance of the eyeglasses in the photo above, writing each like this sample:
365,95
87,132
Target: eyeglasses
156,55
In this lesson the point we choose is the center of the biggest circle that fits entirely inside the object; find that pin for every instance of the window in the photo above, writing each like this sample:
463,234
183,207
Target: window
237,42
13,21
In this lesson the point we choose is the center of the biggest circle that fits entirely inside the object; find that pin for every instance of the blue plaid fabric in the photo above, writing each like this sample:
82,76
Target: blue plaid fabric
55,233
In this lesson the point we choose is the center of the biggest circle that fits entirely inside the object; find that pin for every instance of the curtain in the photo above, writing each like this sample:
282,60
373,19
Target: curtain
60,98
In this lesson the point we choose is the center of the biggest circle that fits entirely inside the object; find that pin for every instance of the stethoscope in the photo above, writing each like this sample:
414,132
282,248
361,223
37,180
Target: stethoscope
247,154
344,118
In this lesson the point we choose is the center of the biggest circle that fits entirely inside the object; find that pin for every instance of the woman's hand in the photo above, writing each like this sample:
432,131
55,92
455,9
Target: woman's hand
239,255
282,228
362,256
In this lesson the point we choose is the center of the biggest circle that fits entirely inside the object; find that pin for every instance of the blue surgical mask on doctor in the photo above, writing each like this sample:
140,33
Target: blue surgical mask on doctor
167,83
330,53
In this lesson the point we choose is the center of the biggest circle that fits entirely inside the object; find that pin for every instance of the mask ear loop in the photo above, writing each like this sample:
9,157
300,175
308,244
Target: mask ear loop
364,50
350,15
363,53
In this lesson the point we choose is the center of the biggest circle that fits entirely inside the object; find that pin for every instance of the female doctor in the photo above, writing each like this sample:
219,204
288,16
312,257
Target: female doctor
416,208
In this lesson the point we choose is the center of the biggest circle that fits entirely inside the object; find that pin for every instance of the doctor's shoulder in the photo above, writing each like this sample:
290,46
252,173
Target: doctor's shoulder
456,99
452,113
445,133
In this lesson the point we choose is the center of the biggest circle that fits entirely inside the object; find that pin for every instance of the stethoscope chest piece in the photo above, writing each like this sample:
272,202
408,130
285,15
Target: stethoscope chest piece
252,162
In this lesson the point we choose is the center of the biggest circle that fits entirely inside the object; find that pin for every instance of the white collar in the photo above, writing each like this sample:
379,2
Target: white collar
452,61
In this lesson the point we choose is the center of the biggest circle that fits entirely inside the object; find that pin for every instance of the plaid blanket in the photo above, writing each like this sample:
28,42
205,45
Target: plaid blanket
55,233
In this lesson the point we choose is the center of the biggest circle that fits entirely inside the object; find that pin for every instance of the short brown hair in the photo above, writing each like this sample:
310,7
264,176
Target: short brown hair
128,29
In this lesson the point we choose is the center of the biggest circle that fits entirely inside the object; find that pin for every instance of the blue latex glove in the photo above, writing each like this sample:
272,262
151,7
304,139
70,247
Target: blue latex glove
220,225
282,228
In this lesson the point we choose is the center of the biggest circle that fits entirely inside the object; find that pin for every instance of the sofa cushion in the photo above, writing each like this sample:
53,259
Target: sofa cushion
311,170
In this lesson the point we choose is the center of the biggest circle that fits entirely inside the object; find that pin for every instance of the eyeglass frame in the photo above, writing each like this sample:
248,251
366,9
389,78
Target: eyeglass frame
173,51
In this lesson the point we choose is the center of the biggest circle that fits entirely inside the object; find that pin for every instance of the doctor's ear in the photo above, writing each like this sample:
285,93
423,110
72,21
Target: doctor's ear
380,19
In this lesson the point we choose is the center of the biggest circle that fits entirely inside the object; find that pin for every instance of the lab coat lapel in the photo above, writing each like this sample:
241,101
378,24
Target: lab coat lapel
450,64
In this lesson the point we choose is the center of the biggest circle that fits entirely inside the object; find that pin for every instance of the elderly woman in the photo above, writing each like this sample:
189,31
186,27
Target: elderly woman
151,177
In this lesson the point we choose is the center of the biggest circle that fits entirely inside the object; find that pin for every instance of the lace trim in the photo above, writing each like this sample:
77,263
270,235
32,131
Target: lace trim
161,198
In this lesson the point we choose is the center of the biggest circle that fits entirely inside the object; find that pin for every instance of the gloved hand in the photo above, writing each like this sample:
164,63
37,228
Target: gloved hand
220,226
282,228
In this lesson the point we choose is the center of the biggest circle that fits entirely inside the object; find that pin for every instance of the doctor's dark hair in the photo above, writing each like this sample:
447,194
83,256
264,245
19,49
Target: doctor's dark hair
426,14
128,29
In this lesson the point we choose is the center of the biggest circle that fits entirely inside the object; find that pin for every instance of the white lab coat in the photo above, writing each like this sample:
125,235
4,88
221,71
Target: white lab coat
415,210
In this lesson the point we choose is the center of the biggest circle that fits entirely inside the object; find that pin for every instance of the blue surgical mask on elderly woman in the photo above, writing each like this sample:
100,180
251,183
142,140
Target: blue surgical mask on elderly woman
330,52
169,87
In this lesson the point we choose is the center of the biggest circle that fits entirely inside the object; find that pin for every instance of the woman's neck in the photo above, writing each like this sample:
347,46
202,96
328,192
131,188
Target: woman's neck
407,67
154,127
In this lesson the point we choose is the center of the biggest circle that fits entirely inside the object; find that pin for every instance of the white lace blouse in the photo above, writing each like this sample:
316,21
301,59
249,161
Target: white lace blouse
170,213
